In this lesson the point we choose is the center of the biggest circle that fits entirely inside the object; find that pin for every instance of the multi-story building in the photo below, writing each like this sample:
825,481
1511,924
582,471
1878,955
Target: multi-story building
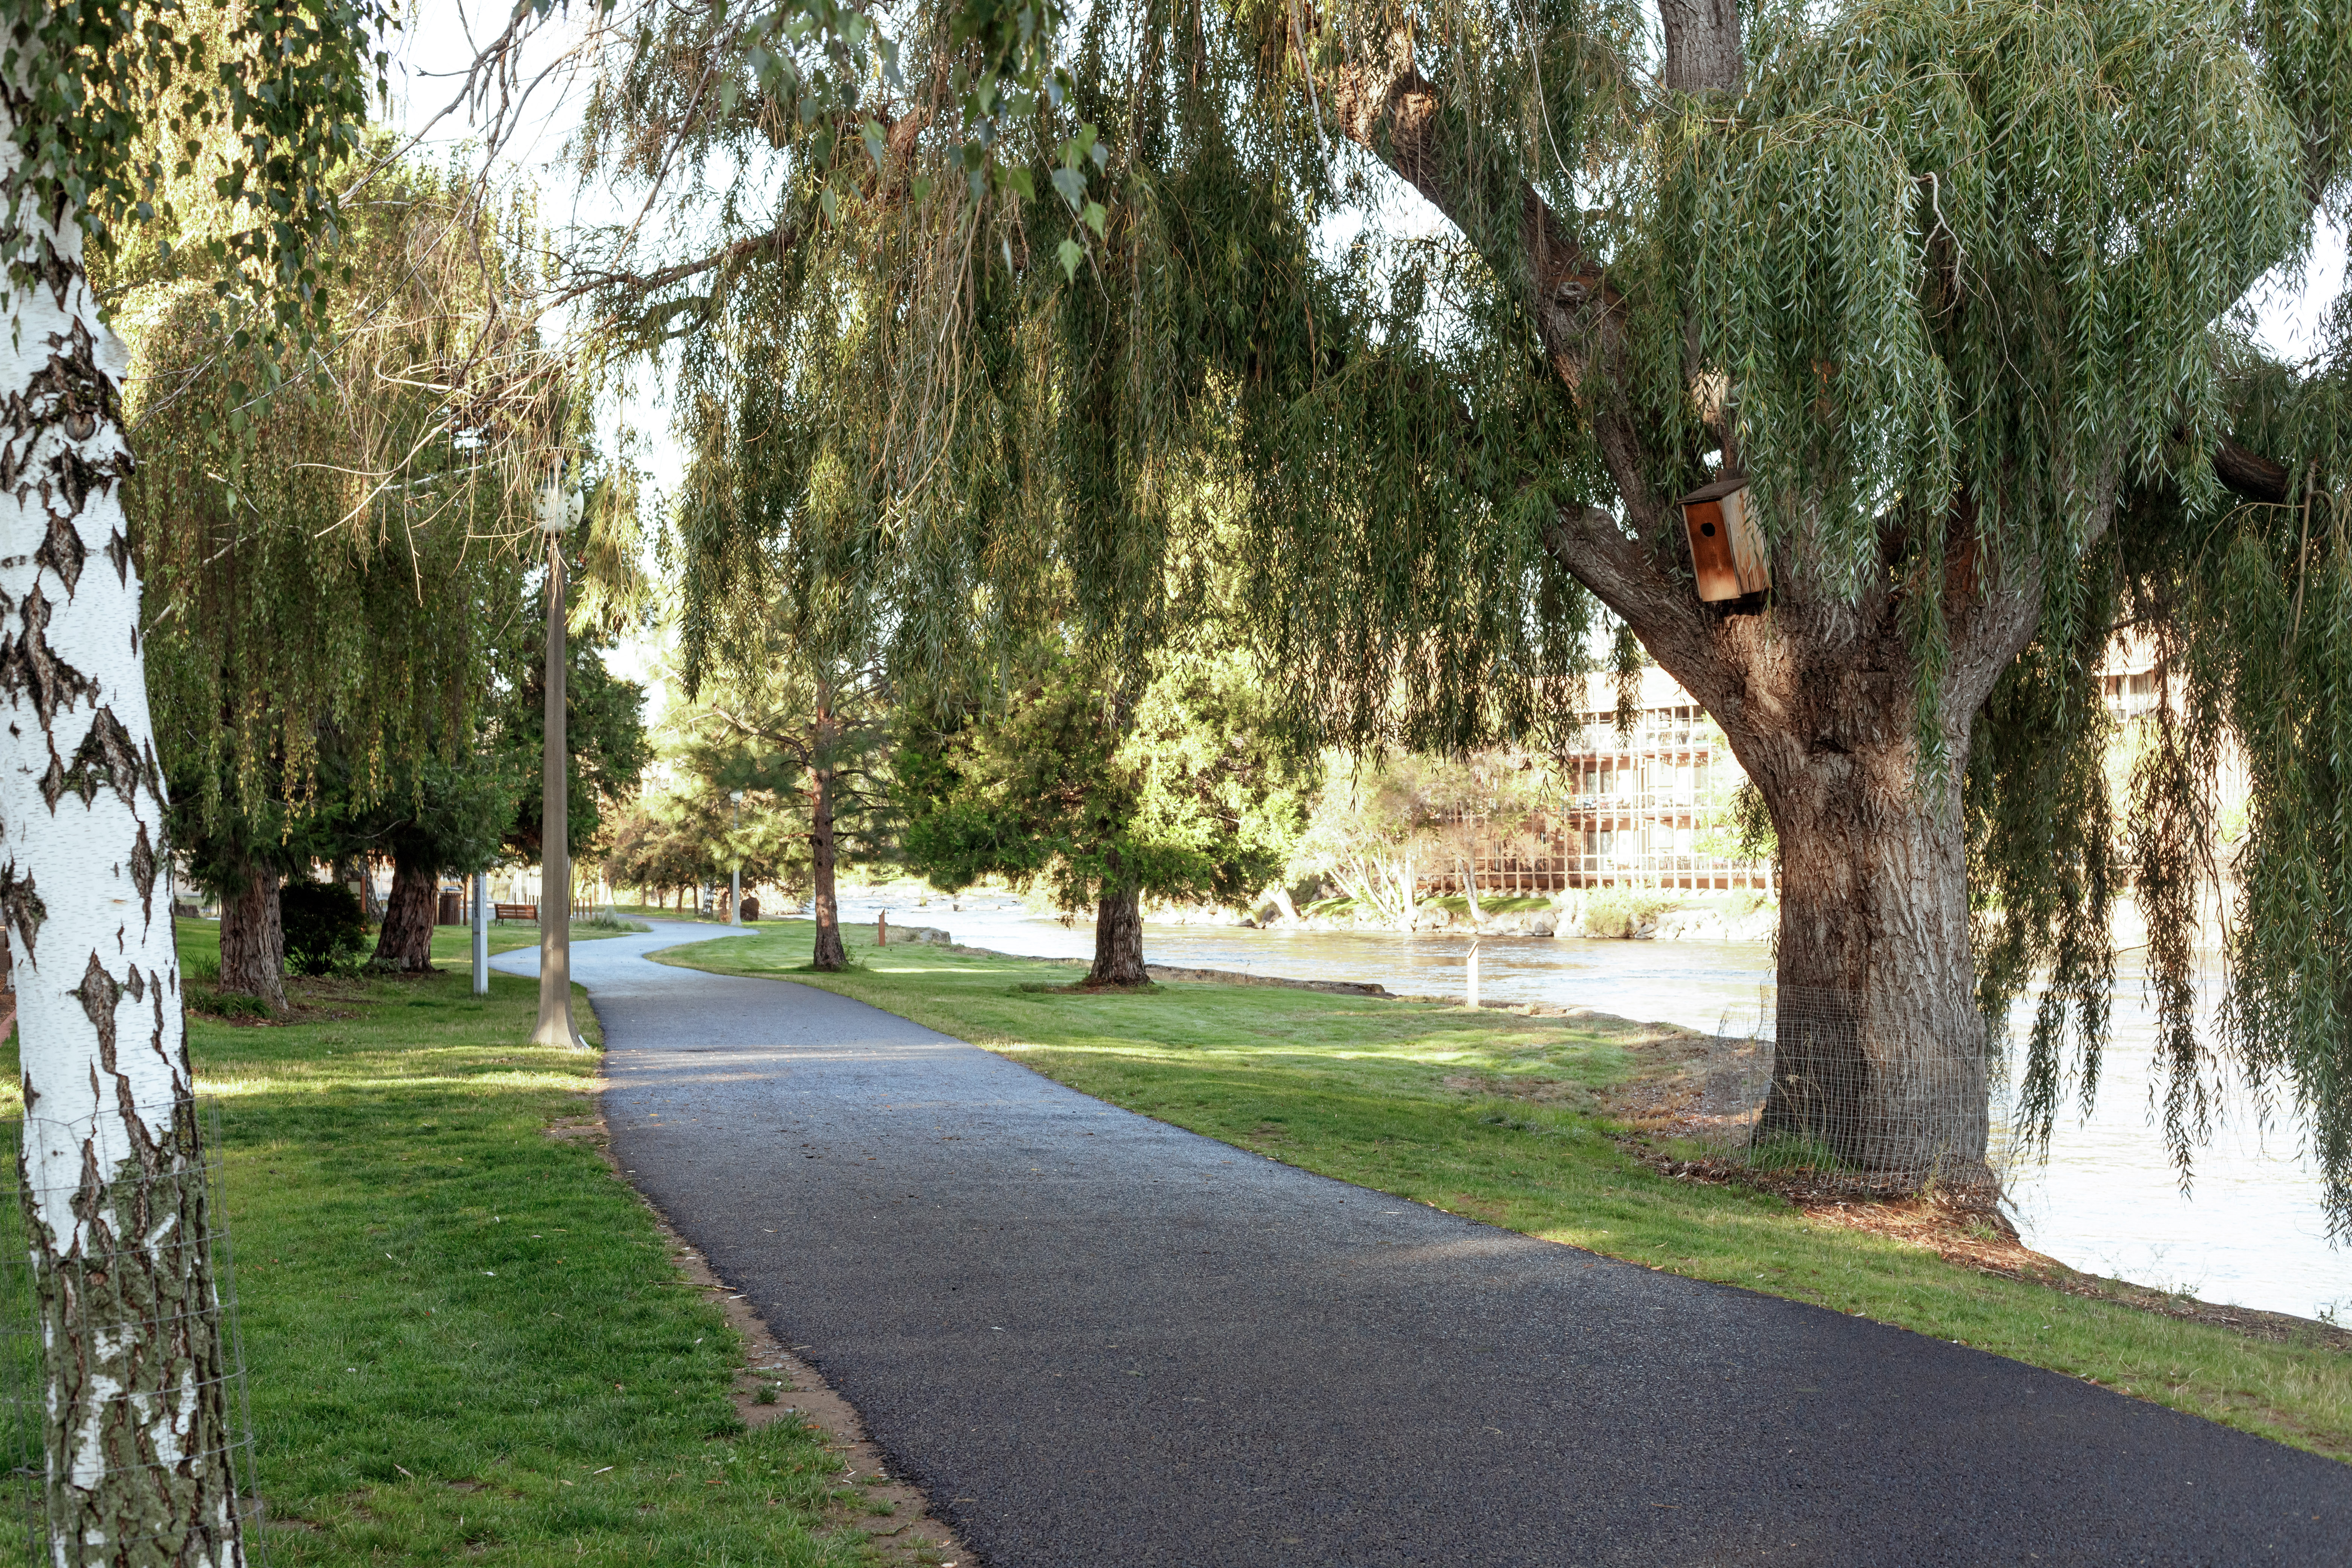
1634,809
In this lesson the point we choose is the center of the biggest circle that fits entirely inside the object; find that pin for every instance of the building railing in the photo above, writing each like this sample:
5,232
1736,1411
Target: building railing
1502,875
1633,801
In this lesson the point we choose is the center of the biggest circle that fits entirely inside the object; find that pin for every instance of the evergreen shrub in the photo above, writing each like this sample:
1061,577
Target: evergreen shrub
325,930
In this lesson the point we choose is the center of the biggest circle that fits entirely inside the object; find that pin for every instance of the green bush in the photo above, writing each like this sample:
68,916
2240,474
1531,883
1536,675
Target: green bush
1620,911
324,929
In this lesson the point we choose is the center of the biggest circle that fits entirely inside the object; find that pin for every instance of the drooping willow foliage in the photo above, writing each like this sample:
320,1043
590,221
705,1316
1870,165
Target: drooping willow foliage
333,587
1954,286
908,422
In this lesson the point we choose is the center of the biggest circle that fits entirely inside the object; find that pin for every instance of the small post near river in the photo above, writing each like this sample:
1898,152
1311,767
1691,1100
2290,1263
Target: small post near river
558,508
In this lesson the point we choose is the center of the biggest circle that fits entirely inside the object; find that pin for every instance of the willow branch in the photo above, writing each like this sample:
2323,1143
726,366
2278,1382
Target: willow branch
2250,474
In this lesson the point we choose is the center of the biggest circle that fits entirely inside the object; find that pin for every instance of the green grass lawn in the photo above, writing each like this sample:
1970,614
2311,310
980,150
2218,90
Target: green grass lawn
465,1339
1504,1117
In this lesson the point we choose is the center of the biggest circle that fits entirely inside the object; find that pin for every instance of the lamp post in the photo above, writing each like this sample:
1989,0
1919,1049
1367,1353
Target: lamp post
735,873
558,508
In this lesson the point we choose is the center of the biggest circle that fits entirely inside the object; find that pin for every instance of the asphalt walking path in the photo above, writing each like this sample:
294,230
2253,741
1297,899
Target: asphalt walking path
1096,1340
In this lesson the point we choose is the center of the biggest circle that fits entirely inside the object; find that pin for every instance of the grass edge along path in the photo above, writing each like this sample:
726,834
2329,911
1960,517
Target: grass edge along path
465,1336
1503,1118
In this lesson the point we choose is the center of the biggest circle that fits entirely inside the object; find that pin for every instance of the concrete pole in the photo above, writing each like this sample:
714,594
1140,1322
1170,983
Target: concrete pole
735,874
557,511
481,934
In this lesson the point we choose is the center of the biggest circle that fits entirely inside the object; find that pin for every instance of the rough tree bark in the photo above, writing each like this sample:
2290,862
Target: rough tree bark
830,955
559,508
1119,940
405,944
253,941
1880,1050
135,1416
1703,50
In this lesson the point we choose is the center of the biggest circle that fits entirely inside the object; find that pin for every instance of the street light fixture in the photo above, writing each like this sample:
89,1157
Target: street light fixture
735,875
559,508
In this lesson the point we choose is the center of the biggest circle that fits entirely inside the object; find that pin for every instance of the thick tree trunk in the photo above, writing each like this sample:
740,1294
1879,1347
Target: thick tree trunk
555,1025
829,955
134,1406
253,942
1879,1054
1118,940
406,943
1703,51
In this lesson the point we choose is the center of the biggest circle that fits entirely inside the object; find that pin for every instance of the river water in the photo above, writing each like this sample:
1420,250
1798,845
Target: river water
2250,1231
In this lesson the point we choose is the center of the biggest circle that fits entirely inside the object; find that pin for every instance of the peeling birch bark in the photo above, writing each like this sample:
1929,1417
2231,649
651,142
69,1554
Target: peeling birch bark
136,1414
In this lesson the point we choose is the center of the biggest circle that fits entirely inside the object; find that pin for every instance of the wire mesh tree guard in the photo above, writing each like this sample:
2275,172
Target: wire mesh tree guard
1814,1087
75,1310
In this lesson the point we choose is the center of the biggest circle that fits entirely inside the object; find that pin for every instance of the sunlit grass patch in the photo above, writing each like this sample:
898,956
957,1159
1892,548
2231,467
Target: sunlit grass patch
466,1340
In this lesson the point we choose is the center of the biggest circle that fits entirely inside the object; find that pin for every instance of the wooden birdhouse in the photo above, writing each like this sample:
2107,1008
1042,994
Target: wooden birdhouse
1727,547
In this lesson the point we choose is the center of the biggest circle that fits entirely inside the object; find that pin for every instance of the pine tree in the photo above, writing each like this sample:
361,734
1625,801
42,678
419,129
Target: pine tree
1106,790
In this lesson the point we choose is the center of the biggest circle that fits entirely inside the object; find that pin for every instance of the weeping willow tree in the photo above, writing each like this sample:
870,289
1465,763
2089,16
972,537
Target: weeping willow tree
336,578
1951,289
815,566
1955,291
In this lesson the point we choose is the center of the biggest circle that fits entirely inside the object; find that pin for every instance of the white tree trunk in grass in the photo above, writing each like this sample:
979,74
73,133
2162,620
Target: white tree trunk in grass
136,1427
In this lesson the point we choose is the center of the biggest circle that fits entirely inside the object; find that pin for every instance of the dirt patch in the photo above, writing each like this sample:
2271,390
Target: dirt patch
895,1516
310,999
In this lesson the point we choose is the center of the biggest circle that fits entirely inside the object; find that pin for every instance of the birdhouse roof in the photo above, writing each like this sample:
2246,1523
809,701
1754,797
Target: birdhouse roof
1715,491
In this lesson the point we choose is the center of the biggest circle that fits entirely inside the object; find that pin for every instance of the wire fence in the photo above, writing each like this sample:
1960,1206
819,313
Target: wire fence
92,1304
1825,1091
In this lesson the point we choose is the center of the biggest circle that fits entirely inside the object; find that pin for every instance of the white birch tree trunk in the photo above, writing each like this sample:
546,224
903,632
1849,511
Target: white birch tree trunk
136,1427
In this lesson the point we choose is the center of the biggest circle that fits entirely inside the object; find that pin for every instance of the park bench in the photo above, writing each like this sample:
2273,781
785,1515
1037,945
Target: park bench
504,913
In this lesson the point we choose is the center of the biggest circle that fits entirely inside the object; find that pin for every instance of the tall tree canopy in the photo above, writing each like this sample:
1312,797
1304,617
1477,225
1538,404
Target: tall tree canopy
335,578
1953,288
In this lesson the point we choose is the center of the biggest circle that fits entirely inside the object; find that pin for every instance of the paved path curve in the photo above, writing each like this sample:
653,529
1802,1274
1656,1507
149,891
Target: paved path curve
1099,1341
